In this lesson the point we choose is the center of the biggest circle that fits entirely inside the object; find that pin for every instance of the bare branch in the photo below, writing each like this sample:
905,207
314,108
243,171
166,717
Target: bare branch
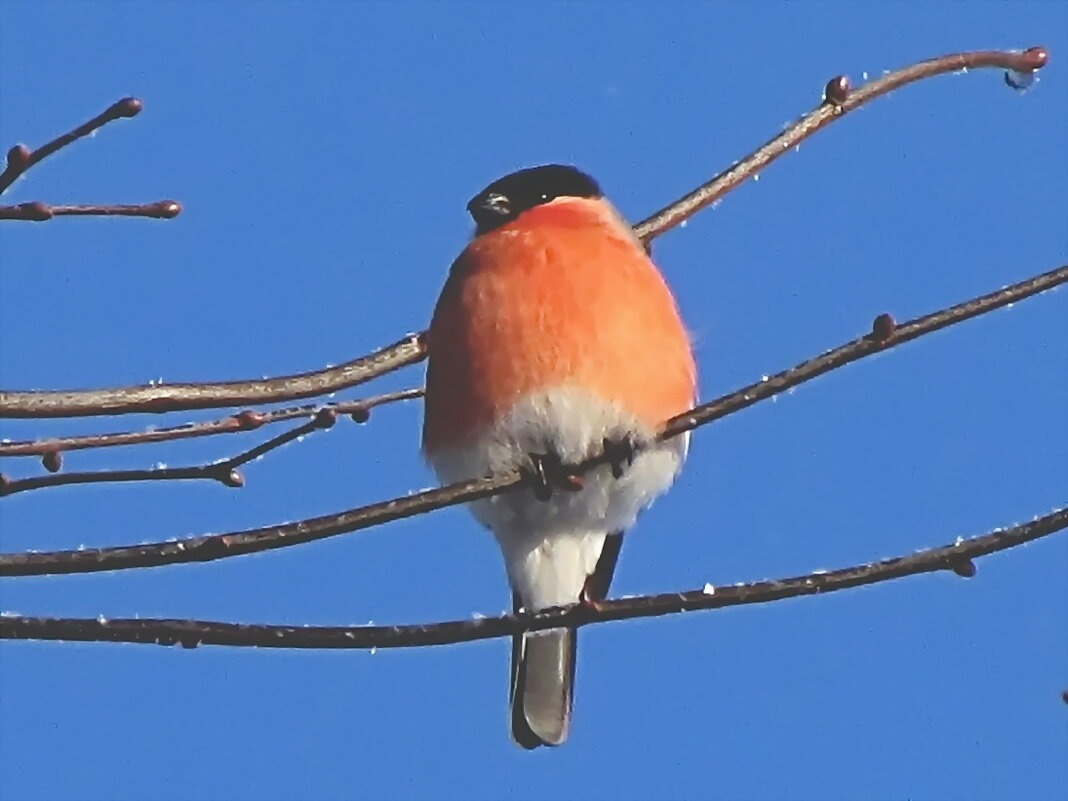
20,158
39,212
247,420
191,633
223,471
218,546
885,334
160,398
838,101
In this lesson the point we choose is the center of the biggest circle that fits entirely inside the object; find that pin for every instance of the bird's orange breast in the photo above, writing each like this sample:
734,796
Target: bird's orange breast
562,296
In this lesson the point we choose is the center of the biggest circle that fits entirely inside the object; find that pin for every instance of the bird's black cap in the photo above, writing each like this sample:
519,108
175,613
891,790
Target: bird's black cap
508,197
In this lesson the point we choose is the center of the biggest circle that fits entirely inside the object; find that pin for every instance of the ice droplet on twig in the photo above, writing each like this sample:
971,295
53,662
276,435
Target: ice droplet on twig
1020,81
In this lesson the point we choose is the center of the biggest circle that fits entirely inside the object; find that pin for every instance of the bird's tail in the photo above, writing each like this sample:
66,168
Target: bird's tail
543,664
543,675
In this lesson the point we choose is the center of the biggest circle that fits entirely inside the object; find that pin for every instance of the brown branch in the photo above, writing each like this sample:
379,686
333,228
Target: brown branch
223,471
191,633
20,158
177,397
838,100
39,212
217,546
246,420
885,334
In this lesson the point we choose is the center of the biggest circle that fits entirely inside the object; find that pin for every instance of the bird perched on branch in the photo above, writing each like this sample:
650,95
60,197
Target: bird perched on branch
555,339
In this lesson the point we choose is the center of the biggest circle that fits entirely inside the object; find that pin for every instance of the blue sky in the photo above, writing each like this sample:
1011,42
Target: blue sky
324,153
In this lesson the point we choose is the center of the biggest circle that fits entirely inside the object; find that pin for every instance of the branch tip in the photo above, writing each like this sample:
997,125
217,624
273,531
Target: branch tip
166,209
127,107
1035,57
232,478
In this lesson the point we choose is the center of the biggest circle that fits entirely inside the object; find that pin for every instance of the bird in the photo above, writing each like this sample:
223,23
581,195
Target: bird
555,339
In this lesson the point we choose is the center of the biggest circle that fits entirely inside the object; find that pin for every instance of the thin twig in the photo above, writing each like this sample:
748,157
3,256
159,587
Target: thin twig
246,420
158,398
224,471
191,633
20,158
217,546
39,212
838,101
885,334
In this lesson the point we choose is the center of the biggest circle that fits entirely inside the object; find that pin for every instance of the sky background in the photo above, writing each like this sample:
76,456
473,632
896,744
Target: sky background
324,153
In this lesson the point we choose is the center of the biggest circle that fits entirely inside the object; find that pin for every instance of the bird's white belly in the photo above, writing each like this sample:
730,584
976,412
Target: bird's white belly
550,547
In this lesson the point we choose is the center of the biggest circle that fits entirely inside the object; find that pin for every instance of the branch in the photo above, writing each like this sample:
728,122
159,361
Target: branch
39,212
838,101
217,546
20,158
191,633
247,420
885,334
160,398
224,471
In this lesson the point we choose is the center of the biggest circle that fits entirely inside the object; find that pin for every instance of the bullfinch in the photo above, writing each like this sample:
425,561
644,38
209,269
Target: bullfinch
555,339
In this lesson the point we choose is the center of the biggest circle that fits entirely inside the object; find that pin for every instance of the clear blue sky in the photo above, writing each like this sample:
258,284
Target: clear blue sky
324,154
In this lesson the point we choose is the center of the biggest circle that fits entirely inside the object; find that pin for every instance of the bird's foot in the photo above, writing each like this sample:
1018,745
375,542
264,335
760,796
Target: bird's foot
620,453
547,472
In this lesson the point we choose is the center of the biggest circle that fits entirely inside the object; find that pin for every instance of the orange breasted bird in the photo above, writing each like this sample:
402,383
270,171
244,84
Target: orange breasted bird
555,339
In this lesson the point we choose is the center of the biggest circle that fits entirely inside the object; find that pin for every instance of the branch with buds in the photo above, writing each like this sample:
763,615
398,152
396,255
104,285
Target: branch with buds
20,159
838,100
956,558
884,335
224,471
